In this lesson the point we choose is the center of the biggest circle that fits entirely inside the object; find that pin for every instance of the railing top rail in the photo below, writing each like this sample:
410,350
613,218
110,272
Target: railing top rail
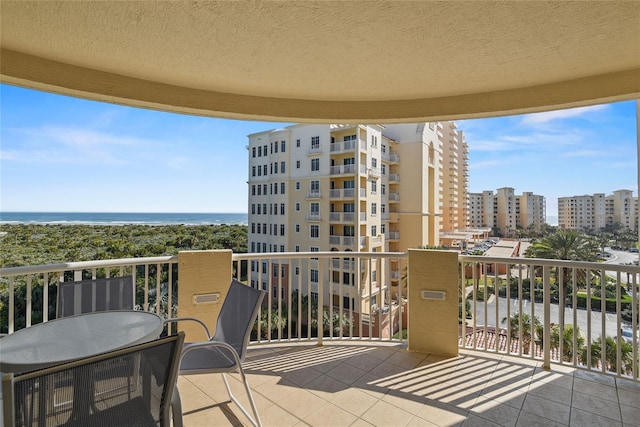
80,265
328,254
549,262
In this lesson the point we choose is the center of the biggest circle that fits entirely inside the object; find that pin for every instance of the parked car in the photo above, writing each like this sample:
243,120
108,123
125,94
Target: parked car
627,335
633,250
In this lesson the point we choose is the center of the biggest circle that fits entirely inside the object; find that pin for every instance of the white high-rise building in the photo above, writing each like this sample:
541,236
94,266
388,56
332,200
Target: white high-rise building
505,211
340,188
597,211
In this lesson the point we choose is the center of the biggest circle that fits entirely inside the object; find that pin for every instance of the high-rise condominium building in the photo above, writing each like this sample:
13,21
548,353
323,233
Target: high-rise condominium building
505,211
597,211
353,188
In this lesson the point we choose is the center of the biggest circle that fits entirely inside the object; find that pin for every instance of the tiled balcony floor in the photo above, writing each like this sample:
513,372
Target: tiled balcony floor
384,385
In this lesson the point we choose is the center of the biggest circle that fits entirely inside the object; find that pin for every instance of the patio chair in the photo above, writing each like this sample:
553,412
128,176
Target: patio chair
150,405
88,296
225,351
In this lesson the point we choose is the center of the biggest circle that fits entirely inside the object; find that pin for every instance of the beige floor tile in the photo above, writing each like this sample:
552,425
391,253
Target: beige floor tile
347,374
328,415
599,390
325,386
509,395
283,390
630,415
496,412
384,414
627,396
420,422
557,379
277,416
442,414
361,423
581,418
354,401
547,408
301,404
529,419
595,377
388,386
411,404
596,405
628,384
551,392
476,421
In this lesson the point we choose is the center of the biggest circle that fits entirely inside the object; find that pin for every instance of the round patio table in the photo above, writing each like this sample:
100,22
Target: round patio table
76,337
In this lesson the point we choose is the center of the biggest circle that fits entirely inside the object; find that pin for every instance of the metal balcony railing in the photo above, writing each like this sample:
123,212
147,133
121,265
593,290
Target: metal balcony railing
570,313
582,315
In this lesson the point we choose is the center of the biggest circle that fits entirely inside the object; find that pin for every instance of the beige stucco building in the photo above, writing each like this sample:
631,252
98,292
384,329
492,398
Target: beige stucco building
594,212
340,188
505,211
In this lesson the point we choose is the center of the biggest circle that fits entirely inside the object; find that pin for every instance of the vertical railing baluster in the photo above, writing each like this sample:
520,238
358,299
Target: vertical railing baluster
546,341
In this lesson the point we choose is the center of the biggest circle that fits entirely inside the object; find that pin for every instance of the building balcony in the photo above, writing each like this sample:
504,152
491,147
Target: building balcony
343,170
314,194
394,178
315,150
342,193
342,147
394,197
393,235
313,216
497,374
342,216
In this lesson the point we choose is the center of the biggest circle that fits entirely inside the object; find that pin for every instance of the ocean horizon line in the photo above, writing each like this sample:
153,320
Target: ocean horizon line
123,218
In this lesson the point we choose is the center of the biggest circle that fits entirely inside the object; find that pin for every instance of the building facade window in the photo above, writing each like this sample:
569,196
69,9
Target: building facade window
315,164
315,142
314,232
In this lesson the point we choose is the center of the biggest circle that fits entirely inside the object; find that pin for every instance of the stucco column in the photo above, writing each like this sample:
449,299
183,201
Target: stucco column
433,322
202,273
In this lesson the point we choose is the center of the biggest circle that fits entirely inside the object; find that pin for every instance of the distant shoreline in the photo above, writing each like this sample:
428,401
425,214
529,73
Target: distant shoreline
122,218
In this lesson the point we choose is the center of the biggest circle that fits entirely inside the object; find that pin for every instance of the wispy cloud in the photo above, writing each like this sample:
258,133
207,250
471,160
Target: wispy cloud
585,153
539,118
66,145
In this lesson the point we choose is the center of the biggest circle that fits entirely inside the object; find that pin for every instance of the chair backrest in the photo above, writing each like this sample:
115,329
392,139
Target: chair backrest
88,296
237,315
131,386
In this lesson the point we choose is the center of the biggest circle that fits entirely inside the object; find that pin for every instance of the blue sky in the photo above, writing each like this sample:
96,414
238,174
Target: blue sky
70,155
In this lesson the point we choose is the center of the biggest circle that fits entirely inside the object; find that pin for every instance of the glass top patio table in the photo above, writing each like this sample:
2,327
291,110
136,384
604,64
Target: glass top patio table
71,338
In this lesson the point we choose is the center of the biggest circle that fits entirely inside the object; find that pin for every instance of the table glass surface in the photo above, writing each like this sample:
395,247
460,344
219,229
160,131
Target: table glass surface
70,338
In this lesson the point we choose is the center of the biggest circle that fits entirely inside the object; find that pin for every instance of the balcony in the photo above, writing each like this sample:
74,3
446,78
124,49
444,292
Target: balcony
342,193
314,194
343,170
360,373
394,178
342,147
313,216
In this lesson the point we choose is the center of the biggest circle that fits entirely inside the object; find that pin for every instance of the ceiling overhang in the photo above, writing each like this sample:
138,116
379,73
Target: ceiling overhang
327,62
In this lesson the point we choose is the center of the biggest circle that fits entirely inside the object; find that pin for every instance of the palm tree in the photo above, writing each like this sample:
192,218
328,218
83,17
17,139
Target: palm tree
522,327
565,245
611,355
568,350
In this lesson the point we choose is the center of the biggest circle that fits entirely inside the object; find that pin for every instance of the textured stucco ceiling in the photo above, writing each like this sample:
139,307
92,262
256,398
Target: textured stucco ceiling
327,61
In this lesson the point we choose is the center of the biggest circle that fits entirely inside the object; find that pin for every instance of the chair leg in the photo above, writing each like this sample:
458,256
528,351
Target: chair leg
255,421
176,408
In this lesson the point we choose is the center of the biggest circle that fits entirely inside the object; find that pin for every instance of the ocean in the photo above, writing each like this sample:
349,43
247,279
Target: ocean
122,218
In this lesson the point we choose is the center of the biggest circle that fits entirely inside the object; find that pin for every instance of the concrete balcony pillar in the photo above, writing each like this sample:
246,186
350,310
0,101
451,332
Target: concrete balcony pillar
202,273
433,322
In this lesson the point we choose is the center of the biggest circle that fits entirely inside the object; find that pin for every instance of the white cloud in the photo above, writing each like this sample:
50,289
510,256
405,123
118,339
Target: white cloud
547,116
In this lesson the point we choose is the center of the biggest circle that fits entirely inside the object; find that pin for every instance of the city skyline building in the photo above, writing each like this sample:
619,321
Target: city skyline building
597,211
323,188
504,211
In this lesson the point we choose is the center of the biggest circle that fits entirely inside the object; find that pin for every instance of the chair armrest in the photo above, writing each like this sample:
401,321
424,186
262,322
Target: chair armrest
191,319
